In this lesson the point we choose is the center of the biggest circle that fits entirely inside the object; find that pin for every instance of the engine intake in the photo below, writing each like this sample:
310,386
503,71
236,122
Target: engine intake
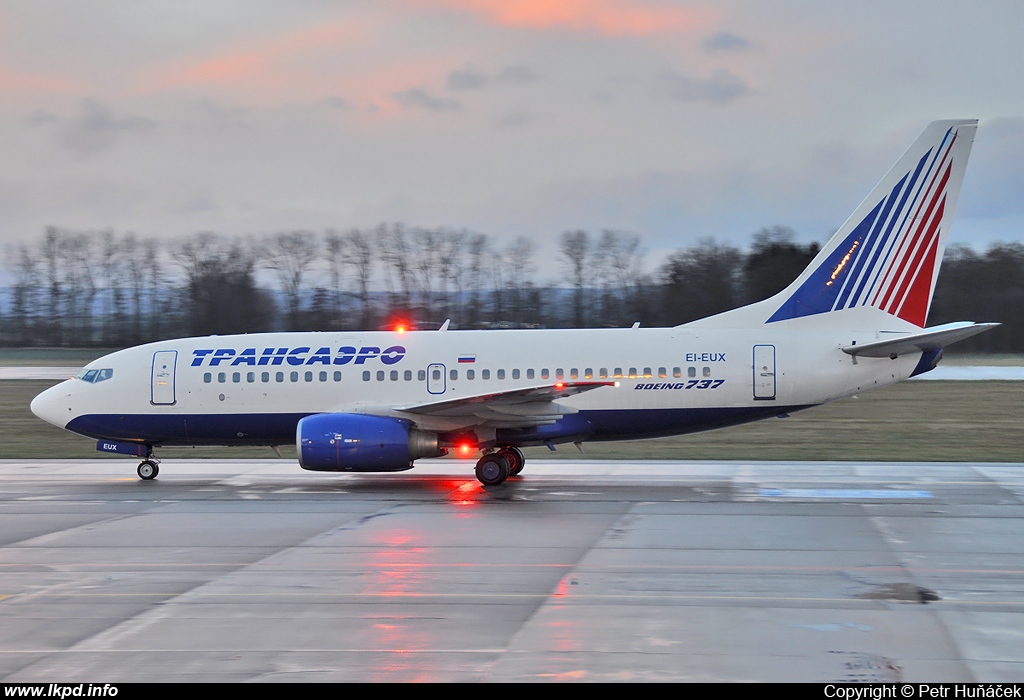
353,442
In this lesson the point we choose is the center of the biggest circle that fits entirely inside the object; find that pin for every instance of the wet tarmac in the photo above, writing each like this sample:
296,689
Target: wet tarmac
576,571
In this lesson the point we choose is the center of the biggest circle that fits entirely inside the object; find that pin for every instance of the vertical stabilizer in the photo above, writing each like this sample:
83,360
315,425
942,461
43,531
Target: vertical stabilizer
887,255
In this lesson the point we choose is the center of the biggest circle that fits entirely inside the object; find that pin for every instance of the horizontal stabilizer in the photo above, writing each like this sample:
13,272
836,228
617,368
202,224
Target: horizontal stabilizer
926,341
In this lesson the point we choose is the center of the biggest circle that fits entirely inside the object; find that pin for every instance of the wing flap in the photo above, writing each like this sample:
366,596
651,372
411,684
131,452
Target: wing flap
526,403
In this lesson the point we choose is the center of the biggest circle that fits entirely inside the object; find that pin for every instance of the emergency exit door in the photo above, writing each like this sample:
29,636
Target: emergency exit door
436,382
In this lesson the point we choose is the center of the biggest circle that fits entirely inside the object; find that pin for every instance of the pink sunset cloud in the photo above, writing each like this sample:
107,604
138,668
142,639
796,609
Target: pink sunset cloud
603,17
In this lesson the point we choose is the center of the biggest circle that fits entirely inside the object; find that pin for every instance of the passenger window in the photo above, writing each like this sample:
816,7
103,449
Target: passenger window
515,374
222,377
408,375
366,376
647,373
279,377
485,374
470,374
453,374
250,377
544,373
436,374
632,372
662,373
691,372
618,372
677,372
501,374
529,374
559,373
337,376
588,373
323,376
574,373
603,373
206,377
422,375
295,376
707,371
236,377
380,375
309,376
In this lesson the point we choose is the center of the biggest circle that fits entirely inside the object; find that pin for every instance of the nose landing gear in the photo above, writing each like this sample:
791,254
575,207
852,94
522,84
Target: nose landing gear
148,469
150,466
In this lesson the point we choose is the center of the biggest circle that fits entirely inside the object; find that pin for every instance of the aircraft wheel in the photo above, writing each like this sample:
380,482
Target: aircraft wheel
148,470
492,469
514,457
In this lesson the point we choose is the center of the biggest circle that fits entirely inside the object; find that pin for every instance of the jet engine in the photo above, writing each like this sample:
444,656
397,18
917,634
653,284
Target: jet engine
353,442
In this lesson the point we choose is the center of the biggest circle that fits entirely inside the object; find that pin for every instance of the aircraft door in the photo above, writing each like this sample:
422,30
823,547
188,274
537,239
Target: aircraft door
162,378
764,372
436,379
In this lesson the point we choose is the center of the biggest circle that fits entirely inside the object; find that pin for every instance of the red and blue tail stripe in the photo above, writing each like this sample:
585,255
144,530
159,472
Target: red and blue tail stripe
889,259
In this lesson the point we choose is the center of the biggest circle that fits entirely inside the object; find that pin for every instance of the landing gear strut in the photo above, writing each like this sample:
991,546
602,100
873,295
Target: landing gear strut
495,467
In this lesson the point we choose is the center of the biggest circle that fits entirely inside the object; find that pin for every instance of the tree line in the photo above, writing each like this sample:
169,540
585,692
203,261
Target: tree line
100,288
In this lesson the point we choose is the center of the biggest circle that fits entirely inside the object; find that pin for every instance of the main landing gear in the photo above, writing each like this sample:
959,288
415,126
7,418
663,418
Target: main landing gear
494,467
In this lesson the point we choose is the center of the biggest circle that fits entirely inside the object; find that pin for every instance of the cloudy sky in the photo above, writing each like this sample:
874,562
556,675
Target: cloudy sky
672,119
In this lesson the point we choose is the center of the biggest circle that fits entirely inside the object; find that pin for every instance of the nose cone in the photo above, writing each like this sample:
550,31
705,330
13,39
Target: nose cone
52,405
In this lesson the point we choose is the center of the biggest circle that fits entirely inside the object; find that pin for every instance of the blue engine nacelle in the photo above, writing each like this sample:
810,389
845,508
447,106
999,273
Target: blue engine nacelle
352,442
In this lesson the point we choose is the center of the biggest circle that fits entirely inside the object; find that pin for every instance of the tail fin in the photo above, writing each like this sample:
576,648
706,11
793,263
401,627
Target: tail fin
887,254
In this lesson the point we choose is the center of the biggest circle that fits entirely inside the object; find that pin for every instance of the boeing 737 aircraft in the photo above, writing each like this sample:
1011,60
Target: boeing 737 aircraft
376,401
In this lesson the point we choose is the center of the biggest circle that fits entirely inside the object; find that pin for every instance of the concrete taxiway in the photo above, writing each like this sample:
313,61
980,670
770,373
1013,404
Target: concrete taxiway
578,570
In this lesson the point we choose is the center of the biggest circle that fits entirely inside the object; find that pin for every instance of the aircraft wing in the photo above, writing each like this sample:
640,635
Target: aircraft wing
516,408
930,339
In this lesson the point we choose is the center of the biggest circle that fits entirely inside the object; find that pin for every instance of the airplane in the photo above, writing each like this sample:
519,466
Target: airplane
377,401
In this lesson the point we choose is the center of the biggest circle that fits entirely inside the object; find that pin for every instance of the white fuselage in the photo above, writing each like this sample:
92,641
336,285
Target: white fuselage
661,381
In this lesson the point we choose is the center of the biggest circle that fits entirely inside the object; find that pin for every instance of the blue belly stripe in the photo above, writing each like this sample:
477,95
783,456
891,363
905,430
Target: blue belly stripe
279,428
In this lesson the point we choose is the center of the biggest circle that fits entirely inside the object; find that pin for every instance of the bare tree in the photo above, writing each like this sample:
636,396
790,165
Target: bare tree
334,254
145,286
625,272
517,264
358,254
291,255
451,252
425,254
471,283
396,257
24,295
575,250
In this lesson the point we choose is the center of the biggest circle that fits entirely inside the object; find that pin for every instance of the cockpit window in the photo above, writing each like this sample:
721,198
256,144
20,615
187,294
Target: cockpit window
96,375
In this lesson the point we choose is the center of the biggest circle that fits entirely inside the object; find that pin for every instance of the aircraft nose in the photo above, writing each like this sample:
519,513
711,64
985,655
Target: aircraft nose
52,405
